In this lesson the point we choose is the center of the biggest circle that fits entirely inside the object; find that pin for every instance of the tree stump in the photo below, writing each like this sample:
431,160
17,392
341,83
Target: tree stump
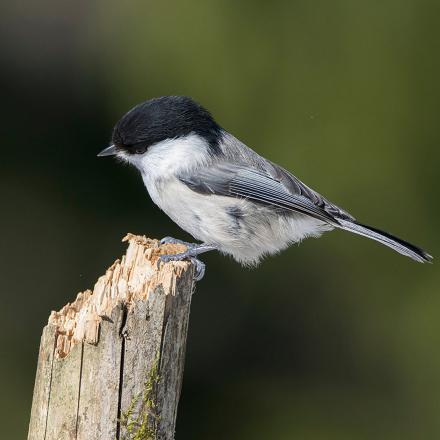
111,362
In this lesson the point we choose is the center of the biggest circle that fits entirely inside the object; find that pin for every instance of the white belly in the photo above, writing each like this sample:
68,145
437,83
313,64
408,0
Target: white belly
204,217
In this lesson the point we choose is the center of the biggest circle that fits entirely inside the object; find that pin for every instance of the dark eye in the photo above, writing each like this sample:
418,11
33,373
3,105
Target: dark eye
139,149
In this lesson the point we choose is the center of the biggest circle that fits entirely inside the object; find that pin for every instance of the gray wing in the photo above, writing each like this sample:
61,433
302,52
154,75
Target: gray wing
294,185
270,185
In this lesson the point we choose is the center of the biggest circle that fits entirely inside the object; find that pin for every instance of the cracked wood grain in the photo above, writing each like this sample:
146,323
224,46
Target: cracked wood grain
110,364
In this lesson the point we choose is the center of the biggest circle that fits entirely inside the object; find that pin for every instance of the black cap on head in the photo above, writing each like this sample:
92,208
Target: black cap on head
163,118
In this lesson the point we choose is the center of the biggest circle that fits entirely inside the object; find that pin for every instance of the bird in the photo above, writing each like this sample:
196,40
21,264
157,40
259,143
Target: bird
222,192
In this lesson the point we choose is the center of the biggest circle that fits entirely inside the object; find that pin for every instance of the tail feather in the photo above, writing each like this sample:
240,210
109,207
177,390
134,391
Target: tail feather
399,245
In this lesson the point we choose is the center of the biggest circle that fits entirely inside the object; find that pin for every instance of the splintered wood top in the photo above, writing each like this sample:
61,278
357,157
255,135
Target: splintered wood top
127,280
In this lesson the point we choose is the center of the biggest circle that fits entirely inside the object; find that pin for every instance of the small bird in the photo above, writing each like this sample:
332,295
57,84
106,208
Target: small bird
222,192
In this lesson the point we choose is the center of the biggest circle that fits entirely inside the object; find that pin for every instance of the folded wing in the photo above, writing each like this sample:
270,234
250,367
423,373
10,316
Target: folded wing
270,186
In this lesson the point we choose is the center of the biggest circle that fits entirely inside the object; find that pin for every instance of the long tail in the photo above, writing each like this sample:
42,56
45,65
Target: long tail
399,245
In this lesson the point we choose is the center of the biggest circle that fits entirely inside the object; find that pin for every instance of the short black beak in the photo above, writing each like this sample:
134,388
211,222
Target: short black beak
109,151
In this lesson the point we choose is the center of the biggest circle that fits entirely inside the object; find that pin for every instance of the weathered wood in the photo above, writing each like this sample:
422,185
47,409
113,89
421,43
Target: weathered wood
173,357
163,320
111,363
63,399
40,403
99,392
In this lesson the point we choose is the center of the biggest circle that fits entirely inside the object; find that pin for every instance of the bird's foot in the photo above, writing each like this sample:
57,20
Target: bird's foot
190,254
172,240
199,266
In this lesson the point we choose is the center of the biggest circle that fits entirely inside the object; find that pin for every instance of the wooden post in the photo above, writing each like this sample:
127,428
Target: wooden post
111,362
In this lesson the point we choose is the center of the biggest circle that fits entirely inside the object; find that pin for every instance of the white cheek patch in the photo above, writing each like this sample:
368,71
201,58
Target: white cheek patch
169,157
172,156
132,159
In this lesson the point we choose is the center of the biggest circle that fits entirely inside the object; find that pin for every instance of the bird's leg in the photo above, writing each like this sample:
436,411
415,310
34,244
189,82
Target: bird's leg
193,250
172,240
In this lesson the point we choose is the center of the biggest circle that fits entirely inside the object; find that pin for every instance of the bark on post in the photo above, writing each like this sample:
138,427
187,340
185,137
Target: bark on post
110,364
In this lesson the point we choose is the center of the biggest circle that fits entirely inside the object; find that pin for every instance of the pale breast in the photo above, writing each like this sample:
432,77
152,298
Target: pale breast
205,217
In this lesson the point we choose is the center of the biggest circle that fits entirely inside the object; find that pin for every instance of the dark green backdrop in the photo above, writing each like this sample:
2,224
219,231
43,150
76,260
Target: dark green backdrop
338,338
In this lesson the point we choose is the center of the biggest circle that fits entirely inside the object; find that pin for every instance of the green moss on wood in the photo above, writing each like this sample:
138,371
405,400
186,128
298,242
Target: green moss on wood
140,419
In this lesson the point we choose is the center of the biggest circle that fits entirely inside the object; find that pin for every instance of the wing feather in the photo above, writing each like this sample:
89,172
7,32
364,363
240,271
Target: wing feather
261,186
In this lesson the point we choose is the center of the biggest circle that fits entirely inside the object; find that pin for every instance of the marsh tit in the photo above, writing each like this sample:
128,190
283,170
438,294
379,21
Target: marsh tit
222,192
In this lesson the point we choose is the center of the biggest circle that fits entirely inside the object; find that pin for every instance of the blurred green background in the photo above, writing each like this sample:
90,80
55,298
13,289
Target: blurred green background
336,339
